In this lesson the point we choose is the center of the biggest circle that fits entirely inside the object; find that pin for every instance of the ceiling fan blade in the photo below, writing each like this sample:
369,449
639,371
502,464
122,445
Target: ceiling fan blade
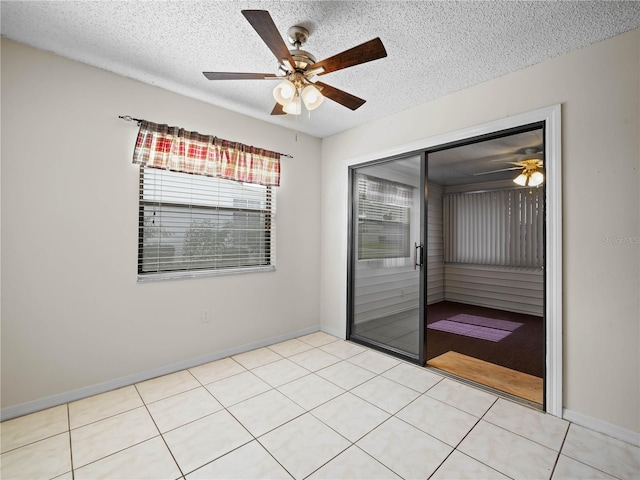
363,53
238,76
339,96
262,23
496,171
277,110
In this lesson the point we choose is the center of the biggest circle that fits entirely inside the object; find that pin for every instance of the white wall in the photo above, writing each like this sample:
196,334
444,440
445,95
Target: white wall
73,315
599,89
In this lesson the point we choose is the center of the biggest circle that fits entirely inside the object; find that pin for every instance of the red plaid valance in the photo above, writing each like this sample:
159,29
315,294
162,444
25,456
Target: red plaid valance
173,148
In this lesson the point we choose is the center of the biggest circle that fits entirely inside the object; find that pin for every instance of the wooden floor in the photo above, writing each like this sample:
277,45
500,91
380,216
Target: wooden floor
501,378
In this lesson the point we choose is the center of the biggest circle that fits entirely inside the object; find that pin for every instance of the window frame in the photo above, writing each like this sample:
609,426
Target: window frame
403,224
179,273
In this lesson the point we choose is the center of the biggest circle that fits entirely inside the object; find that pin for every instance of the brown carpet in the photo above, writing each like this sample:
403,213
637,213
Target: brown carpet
522,350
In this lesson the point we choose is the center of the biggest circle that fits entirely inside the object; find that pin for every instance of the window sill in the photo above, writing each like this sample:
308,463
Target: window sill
159,277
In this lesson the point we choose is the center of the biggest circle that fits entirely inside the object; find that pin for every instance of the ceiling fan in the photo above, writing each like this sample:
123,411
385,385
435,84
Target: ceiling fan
530,165
298,69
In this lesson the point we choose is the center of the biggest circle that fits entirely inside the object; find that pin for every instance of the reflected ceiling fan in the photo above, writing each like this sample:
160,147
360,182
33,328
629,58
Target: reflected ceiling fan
298,69
531,164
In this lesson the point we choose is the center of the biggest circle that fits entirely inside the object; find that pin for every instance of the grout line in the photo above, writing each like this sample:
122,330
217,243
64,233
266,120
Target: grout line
70,443
309,411
159,432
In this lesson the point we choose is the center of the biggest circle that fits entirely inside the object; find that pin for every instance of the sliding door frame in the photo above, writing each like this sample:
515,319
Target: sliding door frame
541,125
551,116
420,359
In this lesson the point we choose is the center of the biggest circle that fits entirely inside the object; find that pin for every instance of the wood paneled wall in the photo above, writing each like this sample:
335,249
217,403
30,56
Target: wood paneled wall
435,245
505,288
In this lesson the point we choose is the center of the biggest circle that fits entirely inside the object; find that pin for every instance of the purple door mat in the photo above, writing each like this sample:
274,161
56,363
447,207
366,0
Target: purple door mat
469,330
485,322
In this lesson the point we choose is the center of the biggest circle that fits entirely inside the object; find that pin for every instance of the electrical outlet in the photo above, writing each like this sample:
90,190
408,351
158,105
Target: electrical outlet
204,316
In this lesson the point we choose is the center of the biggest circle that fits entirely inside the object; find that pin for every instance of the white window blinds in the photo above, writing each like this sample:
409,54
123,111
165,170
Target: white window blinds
383,218
503,227
192,223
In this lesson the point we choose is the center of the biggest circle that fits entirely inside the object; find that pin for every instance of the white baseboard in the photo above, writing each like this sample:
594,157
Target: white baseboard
603,427
334,332
66,397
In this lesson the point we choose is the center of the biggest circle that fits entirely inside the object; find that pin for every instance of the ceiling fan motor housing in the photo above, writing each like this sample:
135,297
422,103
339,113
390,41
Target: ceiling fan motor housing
297,35
303,59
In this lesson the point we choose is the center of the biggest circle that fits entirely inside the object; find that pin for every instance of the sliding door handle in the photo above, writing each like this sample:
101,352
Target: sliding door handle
417,258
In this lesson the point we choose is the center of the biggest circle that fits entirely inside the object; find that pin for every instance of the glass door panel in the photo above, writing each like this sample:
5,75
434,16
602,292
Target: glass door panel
386,250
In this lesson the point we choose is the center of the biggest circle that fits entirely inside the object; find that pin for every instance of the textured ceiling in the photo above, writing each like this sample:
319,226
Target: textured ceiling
488,161
434,48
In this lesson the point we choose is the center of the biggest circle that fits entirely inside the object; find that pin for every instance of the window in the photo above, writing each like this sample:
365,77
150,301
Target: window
501,227
195,225
383,218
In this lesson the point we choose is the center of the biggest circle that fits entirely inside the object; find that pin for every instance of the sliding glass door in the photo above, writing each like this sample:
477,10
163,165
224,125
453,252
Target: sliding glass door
386,267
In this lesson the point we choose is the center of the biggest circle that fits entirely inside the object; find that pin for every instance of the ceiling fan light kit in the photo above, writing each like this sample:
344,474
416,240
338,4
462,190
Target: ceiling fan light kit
284,92
298,69
530,165
293,107
528,179
311,97
530,176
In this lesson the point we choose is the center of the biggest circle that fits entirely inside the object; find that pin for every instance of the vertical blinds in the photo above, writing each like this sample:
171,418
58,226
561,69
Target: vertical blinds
503,227
191,222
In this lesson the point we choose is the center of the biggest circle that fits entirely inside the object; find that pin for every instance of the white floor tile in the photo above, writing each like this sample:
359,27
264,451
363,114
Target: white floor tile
318,395
374,362
318,339
310,391
256,358
33,427
386,394
64,476
214,371
314,360
167,385
290,347
544,429
462,467
464,397
604,453
265,412
350,416
510,454
342,349
303,445
438,419
204,440
99,439
183,408
280,372
46,458
102,406
353,464
345,374
238,388
251,461
404,449
146,461
416,378
570,469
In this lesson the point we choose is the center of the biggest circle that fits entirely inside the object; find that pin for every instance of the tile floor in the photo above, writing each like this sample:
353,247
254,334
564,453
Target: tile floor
314,407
